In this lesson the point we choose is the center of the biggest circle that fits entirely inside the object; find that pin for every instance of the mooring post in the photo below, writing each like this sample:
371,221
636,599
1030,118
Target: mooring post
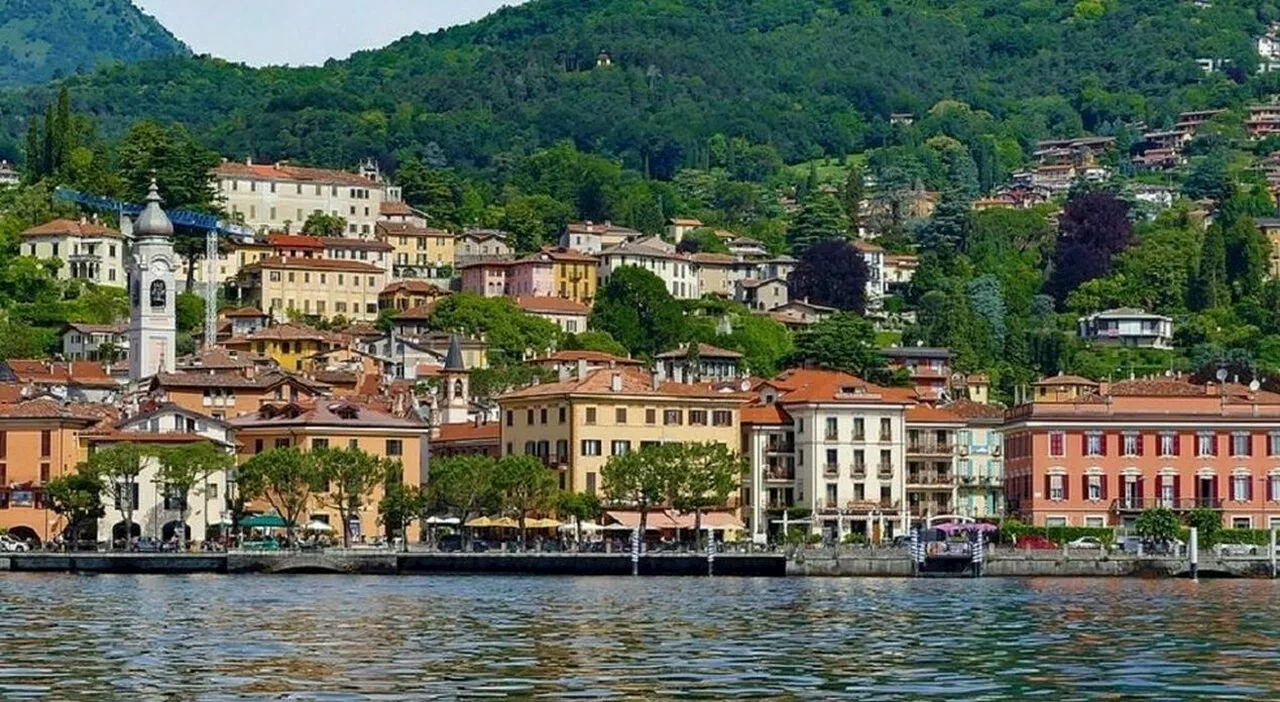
1273,552
1193,553
635,551
711,557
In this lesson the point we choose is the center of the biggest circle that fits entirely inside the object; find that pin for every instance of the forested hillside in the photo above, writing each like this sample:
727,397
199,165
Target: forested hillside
811,77
46,39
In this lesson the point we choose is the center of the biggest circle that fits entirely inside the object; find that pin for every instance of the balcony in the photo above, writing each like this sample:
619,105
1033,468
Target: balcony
831,436
886,437
1181,504
859,436
775,446
858,471
830,470
829,505
868,506
927,509
884,471
929,478
931,448
784,473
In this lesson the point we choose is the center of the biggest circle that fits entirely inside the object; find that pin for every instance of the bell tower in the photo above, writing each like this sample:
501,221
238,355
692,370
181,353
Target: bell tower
152,265
455,391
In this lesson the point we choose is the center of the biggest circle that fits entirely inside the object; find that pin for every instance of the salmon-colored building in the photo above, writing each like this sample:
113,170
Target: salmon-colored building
1096,454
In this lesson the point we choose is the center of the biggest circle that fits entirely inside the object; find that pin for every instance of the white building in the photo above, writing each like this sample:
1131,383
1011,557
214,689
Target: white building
157,512
830,443
710,364
88,251
569,315
267,196
478,244
1127,326
873,256
81,342
592,238
677,271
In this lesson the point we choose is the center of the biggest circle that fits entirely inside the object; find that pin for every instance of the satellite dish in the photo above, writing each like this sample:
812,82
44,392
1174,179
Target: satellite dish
1254,385
745,385
1221,375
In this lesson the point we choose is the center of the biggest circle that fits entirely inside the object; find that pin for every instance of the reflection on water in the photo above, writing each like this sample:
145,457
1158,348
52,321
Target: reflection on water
390,638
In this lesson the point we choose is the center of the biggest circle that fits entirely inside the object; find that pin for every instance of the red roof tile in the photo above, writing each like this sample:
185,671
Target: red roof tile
284,172
71,227
551,305
768,414
244,312
469,431
295,241
75,373
314,264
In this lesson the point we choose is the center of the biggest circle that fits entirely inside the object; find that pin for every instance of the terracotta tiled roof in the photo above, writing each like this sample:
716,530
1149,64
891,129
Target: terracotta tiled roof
419,313
409,229
48,408
1061,379
790,317
11,392
326,412
119,328
704,351
551,305
144,437
757,282
924,414
71,227
244,312
295,241
314,264
291,331
421,287
599,357
369,384
1156,387
216,358
469,432
975,410
395,208
599,228
684,222
336,377
215,379
767,414
713,259
809,385
88,374
866,246
284,172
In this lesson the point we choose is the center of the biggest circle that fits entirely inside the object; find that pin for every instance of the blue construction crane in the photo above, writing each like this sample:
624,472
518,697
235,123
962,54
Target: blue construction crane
211,225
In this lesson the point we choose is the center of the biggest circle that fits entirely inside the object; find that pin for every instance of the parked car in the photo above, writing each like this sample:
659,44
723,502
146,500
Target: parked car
1035,543
12,545
1086,542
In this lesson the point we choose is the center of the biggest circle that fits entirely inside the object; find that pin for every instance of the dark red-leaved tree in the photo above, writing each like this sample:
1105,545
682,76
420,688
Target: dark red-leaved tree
831,273
1093,228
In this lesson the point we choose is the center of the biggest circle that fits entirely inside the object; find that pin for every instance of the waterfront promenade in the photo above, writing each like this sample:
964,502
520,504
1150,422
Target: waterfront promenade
814,562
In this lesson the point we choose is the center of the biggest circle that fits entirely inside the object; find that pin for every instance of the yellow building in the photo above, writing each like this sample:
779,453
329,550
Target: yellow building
407,294
312,286
1270,227
420,252
575,275
286,344
576,424
338,424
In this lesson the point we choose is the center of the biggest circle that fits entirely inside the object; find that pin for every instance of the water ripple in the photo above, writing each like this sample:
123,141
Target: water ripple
394,638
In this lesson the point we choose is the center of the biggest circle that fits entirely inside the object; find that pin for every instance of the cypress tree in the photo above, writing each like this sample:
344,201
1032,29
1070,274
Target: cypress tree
851,196
62,137
47,165
35,153
1211,290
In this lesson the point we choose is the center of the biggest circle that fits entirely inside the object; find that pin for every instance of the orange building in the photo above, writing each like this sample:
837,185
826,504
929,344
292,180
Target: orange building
39,441
338,424
223,395
1085,454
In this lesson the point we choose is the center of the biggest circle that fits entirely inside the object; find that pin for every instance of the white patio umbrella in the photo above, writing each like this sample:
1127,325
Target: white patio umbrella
452,521
319,526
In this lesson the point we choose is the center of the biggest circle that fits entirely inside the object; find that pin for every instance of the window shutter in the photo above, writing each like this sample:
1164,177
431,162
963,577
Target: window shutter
1213,485
1048,483
1248,451
1177,444
1084,486
1213,444
1269,441
1066,489
1248,492
1140,443
1103,486
1103,439
1084,444
1177,487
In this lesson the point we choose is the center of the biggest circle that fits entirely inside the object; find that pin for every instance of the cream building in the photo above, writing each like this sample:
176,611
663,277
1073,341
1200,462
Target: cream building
418,252
575,425
677,271
312,286
88,250
279,196
832,444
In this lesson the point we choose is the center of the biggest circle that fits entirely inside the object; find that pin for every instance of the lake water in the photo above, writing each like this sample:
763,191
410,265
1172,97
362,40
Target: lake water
396,638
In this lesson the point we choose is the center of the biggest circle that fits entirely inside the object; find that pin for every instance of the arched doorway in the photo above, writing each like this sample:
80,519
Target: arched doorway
25,534
171,528
118,534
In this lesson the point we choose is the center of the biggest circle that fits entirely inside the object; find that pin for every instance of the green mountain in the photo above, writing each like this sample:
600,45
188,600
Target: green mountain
811,77
46,39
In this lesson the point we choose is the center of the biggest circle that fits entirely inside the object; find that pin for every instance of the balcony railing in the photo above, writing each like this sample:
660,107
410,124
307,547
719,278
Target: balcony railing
1181,504
931,448
886,436
859,436
924,509
781,447
780,473
930,479
865,506
858,472
830,470
831,436
884,471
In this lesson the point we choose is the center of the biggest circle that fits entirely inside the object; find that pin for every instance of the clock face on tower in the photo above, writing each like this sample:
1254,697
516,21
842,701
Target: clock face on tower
159,268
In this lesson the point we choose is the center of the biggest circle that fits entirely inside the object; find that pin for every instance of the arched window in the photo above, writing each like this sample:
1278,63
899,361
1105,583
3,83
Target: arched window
158,294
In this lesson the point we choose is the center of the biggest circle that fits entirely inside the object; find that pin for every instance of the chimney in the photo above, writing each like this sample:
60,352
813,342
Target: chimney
654,381
615,383
248,161
582,368
564,373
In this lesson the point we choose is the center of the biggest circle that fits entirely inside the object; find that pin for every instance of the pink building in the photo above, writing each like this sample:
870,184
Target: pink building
531,276
486,278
